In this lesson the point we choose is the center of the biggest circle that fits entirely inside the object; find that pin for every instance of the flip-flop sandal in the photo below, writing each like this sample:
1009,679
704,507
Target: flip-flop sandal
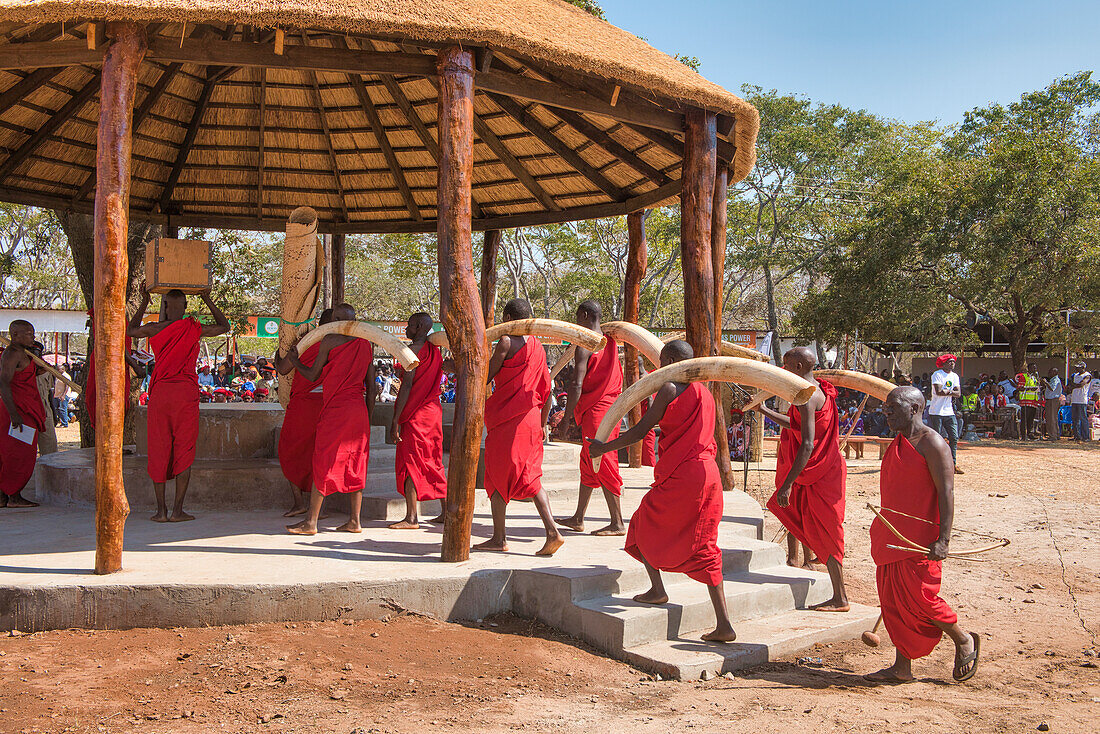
971,660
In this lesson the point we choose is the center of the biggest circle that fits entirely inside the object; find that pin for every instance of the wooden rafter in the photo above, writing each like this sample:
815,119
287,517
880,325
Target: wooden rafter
501,151
328,142
556,144
70,108
260,157
187,143
26,85
612,146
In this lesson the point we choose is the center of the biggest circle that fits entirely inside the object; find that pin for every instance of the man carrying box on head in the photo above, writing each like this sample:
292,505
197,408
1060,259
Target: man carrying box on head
173,417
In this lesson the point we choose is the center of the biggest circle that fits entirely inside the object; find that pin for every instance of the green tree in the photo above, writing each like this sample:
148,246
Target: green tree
997,220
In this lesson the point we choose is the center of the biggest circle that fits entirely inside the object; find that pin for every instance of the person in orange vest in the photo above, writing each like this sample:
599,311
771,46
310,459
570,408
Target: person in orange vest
1027,394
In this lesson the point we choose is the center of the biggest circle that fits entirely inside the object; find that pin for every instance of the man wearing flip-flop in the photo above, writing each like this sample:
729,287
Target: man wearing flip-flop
917,488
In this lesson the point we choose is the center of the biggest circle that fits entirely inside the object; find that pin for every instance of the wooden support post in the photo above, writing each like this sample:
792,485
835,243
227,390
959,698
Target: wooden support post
126,49
458,296
636,261
489,253
339,280
718,262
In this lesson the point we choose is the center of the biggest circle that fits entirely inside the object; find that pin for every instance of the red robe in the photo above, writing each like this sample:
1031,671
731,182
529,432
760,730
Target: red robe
815,515
341,451
420,451
17,458
300,426
603,382
513,419
909,583
174,399
649,443
675,528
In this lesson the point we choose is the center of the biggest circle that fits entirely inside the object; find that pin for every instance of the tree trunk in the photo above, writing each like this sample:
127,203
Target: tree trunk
773,315
339,257
459,300
490,249
1018,339
636,261
112,203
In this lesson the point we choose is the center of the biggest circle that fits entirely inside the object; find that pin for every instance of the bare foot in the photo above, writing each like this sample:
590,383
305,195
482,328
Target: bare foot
887,675
438,520
18,500
295,512
180,516
610,530
720,634
302,528
492,544
652,597
160,517
571,523
405,525
792,562
351,526
551,546
832,605
959,471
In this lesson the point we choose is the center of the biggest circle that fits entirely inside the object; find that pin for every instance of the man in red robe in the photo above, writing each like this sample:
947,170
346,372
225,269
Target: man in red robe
675,528
21,413
341,450
810,478
514,417
418,425
173,417
597,381
89,393
918,500
299,429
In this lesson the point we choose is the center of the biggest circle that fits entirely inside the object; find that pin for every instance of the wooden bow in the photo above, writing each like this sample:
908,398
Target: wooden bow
964,555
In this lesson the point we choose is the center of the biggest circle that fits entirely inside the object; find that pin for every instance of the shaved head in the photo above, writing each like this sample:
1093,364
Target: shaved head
326,316
589,309
22,333
20,325
904,406
800,361
422,318
419,326
676,350
343,312
516,309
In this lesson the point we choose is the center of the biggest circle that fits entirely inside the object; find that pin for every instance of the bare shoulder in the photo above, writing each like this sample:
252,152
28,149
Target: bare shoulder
930,443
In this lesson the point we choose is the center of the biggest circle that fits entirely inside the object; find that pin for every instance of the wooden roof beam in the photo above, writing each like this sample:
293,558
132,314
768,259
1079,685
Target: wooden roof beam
501,151
556,144
383,142
59,118
260,158
188,141
26,85
612,146
328,143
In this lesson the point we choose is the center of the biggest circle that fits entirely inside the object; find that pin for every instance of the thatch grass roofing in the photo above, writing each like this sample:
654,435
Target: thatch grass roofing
252,143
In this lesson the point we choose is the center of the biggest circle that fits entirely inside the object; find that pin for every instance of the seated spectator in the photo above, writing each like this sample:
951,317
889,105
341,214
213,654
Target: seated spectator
206,378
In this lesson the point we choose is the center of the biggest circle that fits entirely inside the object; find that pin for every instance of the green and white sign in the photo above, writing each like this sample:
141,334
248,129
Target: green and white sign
267,326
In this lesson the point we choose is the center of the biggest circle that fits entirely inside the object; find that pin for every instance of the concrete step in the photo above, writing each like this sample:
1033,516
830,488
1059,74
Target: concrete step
616,622
758,641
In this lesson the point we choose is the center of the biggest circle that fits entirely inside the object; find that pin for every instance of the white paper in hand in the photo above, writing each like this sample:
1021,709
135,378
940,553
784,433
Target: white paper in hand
24,433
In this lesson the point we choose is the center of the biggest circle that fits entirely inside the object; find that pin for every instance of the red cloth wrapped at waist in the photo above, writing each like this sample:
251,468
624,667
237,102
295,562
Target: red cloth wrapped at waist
513,417
909,501
419,453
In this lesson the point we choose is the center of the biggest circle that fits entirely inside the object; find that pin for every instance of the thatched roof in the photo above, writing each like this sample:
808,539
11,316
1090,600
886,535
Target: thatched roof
575,117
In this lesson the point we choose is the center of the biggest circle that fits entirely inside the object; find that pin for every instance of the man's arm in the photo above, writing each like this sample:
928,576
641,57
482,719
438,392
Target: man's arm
313,372
500,353
407,381
637,432
221,323
283,365
782,420
580,369
134,328
7,372
372,388
802,456
940,465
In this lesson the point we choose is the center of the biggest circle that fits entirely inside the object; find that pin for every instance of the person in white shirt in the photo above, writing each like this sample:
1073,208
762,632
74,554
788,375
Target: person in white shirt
1008,384
946,386
1079,398
1052,394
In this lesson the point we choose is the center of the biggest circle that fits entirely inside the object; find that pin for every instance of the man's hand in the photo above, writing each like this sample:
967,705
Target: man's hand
16,420
395,431
938,550
596,449
783,498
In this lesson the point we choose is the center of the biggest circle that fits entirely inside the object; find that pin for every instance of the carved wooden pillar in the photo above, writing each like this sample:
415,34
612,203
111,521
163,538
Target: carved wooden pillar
459,300
338,279
697,198
718,261
636,260
125,51
489,275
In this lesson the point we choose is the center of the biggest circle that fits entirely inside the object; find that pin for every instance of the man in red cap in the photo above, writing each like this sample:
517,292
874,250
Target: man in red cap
946,386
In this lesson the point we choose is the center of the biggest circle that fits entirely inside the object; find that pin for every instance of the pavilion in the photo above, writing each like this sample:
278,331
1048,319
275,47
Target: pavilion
384,116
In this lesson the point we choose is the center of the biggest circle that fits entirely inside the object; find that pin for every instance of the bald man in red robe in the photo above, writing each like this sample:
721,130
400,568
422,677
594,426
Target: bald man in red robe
514,417
21,412
418,425
341,450
675,528
299,429
597,381
173,416
810,478
918,500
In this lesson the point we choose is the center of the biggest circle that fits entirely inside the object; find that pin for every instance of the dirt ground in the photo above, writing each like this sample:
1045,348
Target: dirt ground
1036,605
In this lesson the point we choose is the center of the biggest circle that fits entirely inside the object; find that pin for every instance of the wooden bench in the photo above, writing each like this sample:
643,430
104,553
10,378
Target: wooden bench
883,443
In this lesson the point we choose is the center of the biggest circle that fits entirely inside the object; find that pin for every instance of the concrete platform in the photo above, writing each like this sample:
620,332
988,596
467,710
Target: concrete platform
242,567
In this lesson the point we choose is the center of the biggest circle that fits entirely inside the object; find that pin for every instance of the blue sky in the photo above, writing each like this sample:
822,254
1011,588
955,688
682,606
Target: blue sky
908,60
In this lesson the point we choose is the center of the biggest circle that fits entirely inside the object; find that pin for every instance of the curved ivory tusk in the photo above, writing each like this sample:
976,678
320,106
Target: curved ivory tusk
644,340
776,380
362,330
439,338
674,336
572,333
729,349
876,387
563,360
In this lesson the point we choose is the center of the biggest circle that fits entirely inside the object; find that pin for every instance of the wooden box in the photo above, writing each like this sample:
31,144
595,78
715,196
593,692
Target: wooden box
181,264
